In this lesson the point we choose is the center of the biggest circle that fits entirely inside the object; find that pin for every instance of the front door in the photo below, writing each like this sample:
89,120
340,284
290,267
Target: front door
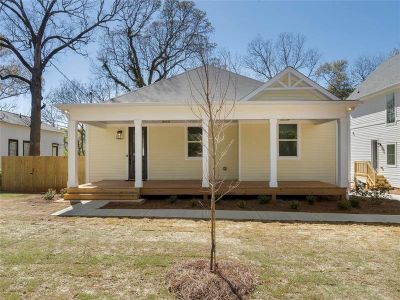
374,154
132,153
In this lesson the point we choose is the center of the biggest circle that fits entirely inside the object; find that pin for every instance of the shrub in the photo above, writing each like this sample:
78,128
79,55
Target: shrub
63,192
294,204
49,195
242,204
194,202
354,201
263,199
311,199
172,199
344,204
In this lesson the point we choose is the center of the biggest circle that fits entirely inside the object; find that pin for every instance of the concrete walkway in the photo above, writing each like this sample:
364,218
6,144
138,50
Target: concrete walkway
92,209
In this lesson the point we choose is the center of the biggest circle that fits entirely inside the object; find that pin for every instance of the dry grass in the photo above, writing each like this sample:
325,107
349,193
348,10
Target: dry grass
45,257
193,280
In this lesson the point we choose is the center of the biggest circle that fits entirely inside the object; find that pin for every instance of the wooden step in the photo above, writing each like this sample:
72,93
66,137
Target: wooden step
132,196
81,190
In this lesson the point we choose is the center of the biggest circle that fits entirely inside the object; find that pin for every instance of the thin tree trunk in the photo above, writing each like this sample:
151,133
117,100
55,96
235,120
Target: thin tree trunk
36,121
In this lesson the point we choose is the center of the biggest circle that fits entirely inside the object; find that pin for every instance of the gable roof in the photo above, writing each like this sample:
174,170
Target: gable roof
303,82
387,74
185,86
18,119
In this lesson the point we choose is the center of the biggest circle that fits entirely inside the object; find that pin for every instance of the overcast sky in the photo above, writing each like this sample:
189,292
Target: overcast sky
339,29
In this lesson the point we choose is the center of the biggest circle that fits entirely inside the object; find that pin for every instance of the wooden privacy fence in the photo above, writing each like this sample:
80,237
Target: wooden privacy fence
36,174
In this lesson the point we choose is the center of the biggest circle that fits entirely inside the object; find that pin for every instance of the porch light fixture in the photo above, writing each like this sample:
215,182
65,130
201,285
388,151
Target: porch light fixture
119,135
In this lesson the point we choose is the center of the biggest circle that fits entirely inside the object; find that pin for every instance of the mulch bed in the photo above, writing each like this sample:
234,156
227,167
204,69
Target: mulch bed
193,280
322,205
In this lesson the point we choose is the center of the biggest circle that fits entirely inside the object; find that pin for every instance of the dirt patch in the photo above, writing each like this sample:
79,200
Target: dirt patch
322,205
193,280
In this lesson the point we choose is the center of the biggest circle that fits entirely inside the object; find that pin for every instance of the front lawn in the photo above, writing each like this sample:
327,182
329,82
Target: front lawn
47,257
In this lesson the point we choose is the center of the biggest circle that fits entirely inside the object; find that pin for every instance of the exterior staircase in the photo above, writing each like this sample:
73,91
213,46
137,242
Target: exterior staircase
102,193
382,181
364,169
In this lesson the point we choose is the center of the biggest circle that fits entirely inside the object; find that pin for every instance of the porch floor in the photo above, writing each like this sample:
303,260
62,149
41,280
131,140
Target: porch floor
193,187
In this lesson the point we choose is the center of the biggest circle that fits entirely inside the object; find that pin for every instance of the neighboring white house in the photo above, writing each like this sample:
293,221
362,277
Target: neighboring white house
375,124
14,137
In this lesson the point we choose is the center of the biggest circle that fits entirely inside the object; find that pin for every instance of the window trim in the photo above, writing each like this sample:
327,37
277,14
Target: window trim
52,146
23,147
298,156
394,108
187,157
395,156
13,140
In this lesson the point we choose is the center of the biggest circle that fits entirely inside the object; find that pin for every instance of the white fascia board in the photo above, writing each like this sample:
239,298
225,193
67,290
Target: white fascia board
242,111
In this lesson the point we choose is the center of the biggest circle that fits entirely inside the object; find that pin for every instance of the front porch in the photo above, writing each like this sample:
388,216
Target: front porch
125,190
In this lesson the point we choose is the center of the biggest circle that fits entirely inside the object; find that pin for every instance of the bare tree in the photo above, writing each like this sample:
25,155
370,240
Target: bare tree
213,101
266,57
365,65
229,61
12,87
73,91
151,41
36,31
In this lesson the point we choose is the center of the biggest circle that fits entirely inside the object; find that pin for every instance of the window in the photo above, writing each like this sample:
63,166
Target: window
391,154
390,109
288,138
25,148
12,147
194,147
54,149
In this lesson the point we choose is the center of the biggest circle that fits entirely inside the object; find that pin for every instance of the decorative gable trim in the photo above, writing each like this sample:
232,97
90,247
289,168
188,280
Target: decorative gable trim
294,80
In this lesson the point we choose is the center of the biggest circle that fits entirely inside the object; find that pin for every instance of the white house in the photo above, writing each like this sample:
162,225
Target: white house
288,136
14,137
375,124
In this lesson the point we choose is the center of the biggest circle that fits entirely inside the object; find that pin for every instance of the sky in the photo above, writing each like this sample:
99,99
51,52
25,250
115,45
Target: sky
338,29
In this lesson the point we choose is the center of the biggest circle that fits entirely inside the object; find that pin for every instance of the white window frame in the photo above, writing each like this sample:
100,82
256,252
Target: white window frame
395,156
392,96
53,145
187,157
297,157
23,147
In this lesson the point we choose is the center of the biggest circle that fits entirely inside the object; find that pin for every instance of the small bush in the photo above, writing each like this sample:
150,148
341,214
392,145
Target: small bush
354,201
49,195
294,204
263,199
172,199
194,202
242,204
311,199
344,204
63,192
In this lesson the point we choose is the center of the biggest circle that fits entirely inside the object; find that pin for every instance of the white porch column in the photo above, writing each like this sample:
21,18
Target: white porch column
273,148
344,151
138,154
72,154
204,142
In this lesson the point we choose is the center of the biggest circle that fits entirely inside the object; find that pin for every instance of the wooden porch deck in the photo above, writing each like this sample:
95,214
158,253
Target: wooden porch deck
125,190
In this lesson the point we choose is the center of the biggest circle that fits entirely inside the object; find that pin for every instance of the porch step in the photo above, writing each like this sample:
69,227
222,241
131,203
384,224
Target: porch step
98,196
90,190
